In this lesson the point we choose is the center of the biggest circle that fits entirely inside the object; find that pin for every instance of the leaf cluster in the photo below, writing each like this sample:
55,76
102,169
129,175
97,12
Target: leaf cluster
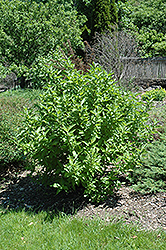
100,16
45,69
147,20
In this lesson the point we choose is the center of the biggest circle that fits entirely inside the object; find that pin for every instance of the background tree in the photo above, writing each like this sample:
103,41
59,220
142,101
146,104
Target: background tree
85,7
101,14
29,29
114,12
147,20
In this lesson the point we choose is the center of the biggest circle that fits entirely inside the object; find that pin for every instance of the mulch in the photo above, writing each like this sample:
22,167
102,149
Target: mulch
19,191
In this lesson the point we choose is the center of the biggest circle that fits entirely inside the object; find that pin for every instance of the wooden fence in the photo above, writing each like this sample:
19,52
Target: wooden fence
145,68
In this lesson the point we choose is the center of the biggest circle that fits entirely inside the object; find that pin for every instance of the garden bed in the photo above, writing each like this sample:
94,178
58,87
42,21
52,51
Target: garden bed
21,192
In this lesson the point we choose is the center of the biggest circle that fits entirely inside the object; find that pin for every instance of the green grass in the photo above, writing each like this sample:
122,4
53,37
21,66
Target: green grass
22,230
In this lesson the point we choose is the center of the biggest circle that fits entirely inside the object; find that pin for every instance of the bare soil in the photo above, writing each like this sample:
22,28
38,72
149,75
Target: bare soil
19,191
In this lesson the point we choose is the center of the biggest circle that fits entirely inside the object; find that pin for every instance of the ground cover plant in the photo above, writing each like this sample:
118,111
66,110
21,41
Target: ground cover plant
85,131
21,230
150,176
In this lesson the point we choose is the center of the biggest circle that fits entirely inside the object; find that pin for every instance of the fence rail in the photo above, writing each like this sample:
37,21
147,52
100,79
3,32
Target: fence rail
145,68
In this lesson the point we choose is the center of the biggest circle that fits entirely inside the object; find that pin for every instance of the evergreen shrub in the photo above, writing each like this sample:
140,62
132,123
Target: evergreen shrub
150,175
85,131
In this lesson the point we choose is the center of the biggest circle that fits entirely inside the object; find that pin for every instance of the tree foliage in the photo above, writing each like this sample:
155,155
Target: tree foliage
100,14
103,18
147,19
29,29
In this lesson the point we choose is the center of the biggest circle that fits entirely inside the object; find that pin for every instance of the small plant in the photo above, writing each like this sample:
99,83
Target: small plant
155,94
85,130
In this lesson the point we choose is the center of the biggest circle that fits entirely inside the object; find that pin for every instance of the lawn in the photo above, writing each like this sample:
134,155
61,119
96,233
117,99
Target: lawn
23,230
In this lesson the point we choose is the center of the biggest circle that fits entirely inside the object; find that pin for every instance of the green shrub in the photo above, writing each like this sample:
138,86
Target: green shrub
104,15
45,70
29,29
155,94
150,176
85,131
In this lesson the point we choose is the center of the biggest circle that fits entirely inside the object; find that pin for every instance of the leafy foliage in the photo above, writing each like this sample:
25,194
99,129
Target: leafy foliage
151,43
147,19
155,94
103,17
100,16
45,70
29,29
11,118
85,131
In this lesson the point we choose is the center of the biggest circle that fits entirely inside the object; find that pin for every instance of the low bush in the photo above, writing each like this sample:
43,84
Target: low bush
155,94
150,175
85,131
